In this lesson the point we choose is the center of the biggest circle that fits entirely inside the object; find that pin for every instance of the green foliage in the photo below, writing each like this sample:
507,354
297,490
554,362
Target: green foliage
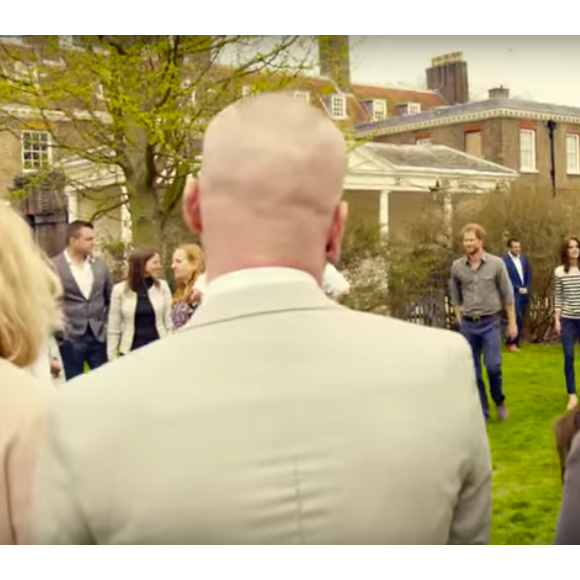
140,103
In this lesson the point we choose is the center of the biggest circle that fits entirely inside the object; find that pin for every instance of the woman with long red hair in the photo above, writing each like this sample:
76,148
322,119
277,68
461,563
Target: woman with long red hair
188,265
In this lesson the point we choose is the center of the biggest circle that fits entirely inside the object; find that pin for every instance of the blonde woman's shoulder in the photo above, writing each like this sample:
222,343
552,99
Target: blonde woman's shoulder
20,391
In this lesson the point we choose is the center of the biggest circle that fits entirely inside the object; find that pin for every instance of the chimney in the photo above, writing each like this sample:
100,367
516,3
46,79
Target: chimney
499,93
334,60
448,77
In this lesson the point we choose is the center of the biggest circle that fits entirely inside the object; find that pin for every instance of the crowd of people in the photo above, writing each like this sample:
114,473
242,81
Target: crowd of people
247,405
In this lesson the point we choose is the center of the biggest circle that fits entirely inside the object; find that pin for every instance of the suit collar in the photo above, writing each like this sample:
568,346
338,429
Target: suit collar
261,299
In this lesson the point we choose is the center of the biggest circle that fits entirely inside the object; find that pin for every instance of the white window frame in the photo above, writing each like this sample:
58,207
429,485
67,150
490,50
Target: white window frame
529,165
572,154
40,166
414,108
304,95
379,110
338,107
424,142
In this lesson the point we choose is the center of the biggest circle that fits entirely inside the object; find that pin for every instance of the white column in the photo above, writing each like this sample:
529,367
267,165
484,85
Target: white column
448,215
126,226
384,212
72,196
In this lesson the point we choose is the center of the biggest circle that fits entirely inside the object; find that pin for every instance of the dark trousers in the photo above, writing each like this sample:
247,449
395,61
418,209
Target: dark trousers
78,350
521,303
570,335
484,337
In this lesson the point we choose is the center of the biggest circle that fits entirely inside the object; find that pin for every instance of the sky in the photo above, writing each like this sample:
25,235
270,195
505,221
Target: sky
540,68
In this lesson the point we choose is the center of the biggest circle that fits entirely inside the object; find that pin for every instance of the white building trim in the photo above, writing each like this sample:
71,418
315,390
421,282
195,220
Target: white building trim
467,117
32,113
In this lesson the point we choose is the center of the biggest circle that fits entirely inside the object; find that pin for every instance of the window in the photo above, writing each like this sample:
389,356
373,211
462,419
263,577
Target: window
338,107
379,110
409,108
35,150
573,154
473,143
304,95
424,141
414,108
528,150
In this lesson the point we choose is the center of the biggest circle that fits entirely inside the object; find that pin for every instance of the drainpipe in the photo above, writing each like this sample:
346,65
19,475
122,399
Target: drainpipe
551,128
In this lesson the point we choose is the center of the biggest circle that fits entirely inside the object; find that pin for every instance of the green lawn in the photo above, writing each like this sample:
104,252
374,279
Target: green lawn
526,485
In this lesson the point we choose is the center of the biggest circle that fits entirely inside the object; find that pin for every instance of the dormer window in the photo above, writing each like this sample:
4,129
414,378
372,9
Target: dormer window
409,108
379,110
338,107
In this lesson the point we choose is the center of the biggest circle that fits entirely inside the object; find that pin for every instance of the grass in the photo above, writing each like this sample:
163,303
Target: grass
526,474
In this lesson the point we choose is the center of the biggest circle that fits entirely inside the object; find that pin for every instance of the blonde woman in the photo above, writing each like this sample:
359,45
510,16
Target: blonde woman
188,266
140,311
28,310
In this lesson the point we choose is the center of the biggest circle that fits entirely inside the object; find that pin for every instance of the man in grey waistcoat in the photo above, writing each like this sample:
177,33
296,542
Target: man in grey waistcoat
87,285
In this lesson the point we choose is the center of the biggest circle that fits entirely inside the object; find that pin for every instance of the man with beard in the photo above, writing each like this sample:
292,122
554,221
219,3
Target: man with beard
480,291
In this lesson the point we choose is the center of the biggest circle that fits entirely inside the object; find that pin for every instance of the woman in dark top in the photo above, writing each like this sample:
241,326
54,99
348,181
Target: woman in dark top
140,310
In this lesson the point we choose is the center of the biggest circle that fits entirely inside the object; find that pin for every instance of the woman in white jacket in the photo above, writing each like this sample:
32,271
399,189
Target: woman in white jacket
140,310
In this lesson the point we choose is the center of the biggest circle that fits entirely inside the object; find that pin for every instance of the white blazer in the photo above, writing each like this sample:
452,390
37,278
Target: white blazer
121,324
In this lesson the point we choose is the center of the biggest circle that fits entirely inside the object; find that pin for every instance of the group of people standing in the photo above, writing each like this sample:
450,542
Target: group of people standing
289,431
102,320
485,288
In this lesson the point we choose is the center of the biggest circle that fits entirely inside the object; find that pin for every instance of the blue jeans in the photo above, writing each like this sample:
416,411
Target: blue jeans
570,335
75,351
484,337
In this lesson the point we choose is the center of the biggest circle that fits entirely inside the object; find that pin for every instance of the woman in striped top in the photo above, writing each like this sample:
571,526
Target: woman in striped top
567,310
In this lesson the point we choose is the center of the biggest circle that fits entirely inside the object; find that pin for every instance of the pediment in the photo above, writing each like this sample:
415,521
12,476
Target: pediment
360,161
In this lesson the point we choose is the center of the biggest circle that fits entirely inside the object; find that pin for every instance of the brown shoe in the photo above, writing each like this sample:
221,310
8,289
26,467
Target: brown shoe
502,412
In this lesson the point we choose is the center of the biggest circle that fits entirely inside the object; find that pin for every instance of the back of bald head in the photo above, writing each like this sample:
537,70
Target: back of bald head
272,155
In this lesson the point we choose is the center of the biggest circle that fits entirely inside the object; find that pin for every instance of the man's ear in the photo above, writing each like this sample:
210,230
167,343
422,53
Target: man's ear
191,208
336,232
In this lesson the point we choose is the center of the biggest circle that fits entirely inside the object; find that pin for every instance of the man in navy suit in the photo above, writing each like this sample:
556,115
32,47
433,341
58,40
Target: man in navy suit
520,276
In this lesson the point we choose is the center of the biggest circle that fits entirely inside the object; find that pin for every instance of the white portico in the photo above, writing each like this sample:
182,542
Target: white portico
401,179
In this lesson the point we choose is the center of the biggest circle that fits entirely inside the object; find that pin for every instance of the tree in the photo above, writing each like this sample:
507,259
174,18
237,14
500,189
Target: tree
140,104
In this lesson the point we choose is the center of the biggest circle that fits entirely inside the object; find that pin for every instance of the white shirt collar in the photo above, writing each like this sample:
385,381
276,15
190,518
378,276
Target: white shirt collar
257,277
87,260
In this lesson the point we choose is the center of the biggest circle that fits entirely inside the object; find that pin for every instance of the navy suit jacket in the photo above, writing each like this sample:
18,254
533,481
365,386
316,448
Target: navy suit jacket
516,281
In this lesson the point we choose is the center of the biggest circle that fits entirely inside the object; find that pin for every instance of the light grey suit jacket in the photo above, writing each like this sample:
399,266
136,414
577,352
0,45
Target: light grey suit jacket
276,416
79,312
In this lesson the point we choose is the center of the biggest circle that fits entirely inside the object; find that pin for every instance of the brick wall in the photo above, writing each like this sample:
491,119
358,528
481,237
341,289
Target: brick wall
501,144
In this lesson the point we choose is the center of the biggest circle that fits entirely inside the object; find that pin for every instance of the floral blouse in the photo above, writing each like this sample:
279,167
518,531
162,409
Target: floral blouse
181,312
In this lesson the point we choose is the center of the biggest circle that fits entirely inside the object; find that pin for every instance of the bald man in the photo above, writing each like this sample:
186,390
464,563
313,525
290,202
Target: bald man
278,416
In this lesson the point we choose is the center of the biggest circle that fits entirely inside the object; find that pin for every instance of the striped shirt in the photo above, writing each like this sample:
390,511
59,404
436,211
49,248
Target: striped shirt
567,298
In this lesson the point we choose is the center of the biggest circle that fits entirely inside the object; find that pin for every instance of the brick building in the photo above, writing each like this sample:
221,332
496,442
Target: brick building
539,140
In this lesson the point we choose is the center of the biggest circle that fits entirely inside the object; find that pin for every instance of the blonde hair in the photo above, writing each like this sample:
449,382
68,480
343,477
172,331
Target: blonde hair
29,292
194,255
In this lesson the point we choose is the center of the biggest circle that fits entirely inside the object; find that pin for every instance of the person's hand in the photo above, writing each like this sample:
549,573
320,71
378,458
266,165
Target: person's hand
523,290
196,296
55,367
558,326
512,331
